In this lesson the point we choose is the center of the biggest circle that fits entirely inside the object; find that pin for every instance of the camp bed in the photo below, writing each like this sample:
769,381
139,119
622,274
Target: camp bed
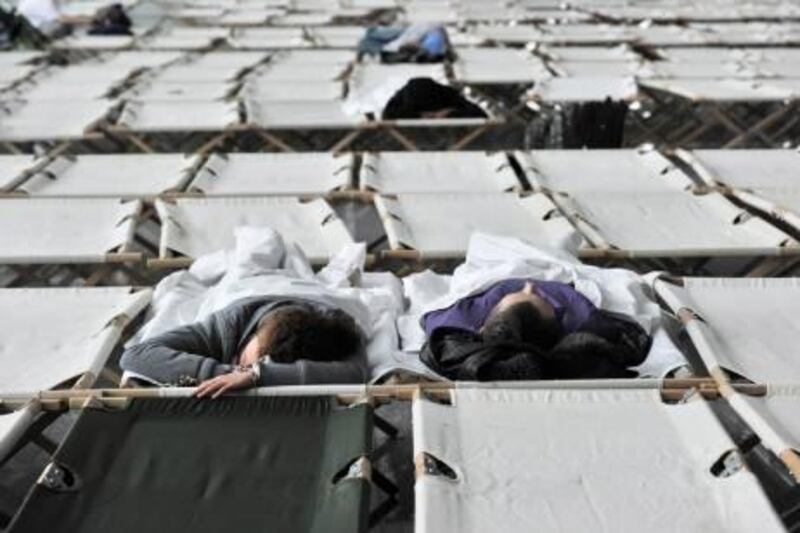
303,19
290,69
95,42
437,172
212,66
192,227
572,459
180,91
763,179
22,121
669,224
720,112
596,69
114,175
491,66
161,125
13,169
182,42
301,115
269,38
588,53
746,329
519,34
308,449
272,174
587,34
571,90
288,90
59,352
336,36
58,231
606,170
438,226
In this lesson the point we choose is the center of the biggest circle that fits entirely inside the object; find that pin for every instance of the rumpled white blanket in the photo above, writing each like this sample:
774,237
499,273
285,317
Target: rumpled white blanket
262,263
492,258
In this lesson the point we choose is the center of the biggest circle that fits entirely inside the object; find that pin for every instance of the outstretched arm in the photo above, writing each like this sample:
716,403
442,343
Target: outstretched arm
304,372
191,351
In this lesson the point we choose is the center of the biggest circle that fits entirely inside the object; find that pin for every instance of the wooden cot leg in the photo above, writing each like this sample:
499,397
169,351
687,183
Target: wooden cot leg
98,276
760,125
346,141
41,423
140,143
769,266
13,148
273,140
212,143
404,141
468,138
385,426
742,131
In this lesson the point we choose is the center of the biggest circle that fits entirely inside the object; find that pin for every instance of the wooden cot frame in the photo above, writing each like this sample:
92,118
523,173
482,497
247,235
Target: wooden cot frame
722,381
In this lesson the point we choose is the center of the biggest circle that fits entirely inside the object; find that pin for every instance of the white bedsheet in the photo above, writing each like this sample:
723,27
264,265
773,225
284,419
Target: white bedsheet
262,263
491,259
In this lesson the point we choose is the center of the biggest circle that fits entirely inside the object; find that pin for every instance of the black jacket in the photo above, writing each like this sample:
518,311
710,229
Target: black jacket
603,348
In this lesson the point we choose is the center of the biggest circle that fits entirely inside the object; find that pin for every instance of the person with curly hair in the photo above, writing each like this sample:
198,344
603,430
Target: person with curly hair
259,341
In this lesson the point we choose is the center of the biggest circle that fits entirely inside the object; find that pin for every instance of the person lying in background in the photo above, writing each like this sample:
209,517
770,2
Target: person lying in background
256,341
417,43
424,98
47,17
110,20
525,329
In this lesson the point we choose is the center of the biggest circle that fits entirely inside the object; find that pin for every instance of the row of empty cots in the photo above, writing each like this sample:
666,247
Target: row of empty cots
618,203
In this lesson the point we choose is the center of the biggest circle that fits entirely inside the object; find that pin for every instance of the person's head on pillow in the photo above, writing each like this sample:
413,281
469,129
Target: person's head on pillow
524,317
299,332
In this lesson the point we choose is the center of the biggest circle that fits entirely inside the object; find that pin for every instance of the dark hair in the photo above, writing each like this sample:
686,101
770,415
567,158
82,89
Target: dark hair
302,332
522,323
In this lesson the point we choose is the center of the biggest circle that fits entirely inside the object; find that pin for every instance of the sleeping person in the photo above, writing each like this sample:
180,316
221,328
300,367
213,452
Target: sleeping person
256,341
524,329
426,98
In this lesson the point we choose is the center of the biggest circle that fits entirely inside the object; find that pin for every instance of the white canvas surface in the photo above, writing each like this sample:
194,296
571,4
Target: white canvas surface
39,349
578,460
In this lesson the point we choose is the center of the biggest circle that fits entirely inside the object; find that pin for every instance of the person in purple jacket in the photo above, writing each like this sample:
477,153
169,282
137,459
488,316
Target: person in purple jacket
531,329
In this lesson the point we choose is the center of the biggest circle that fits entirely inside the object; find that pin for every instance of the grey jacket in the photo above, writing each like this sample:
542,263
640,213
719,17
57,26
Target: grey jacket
210,348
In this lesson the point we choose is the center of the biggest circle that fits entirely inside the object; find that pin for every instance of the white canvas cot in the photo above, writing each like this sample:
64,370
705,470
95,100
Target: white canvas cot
29,121
12,169
721,90
41,350
165,116
116,176
764,179
440,225
670,224
193,227
577,460
435,172
588,89
602,170
59,230
310,114
756,338
272,174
